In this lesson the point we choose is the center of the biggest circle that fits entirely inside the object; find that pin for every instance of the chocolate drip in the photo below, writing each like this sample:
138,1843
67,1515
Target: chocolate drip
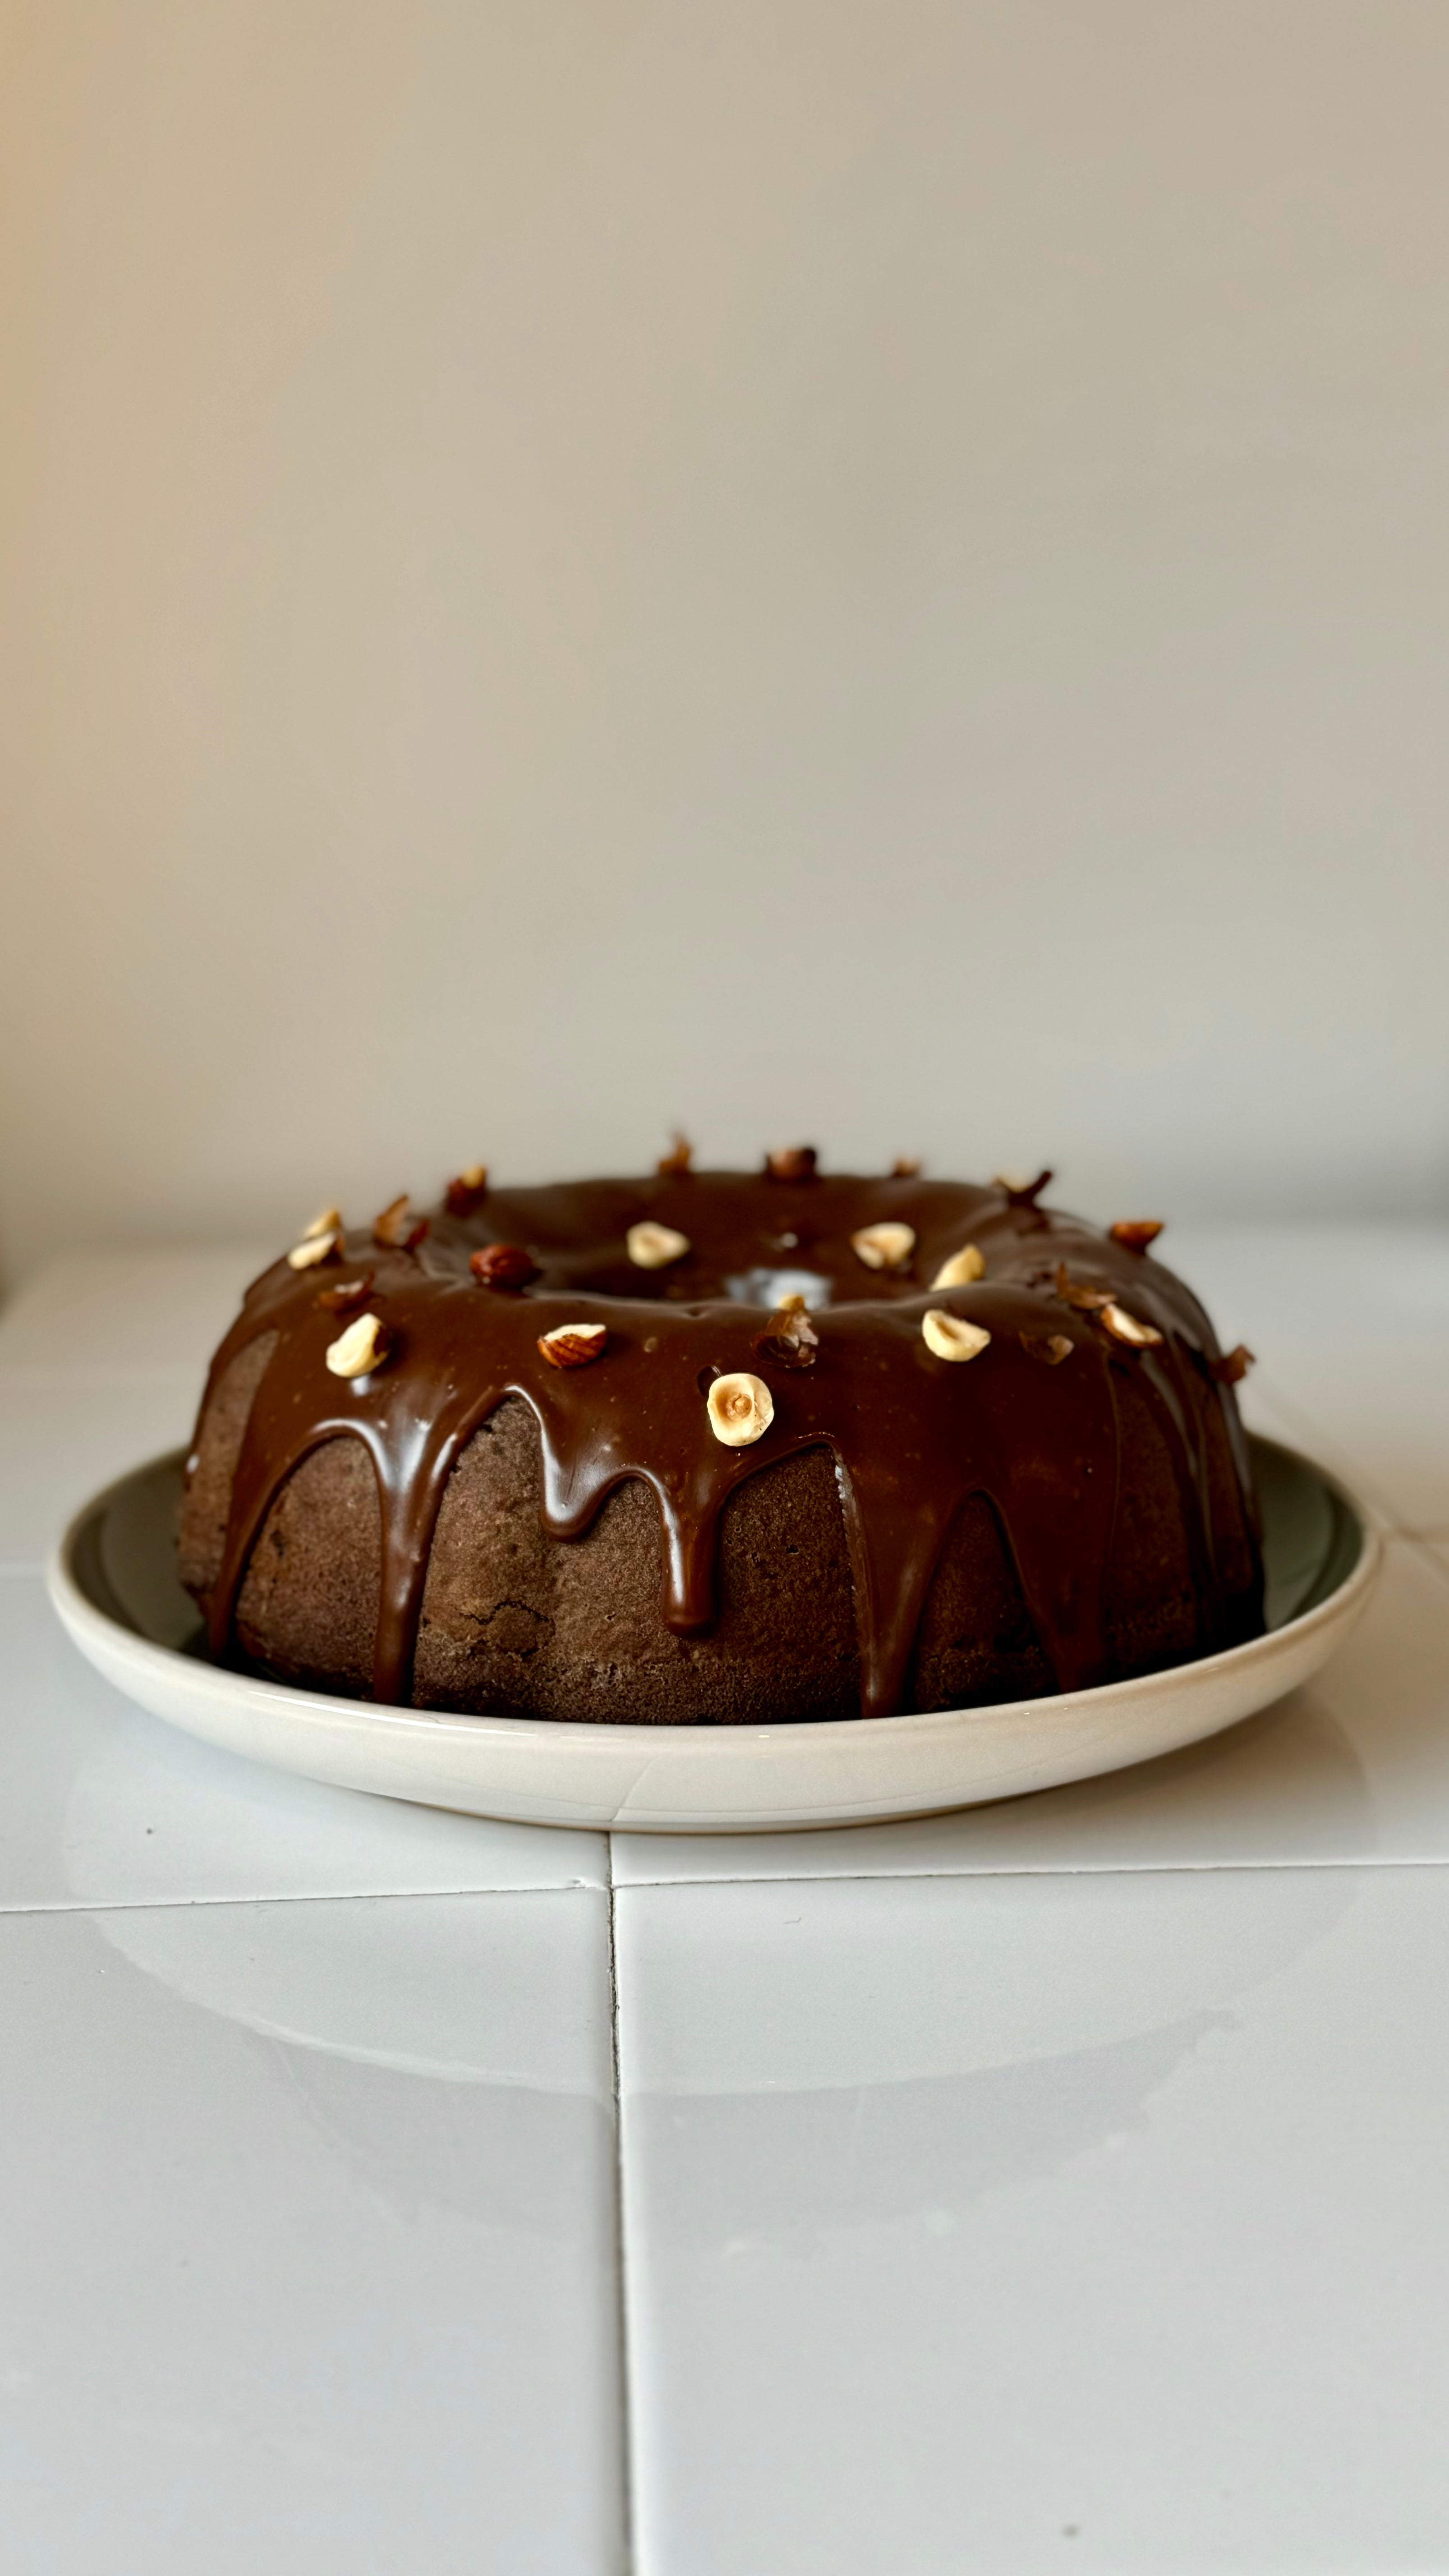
913,1437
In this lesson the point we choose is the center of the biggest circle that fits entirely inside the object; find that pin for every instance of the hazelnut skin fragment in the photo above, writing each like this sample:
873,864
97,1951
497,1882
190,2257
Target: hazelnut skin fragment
741,1408
790,1339
1050,1348
1075,1292
1232,1367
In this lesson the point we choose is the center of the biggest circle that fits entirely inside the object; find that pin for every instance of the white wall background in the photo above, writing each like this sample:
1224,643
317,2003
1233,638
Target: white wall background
872,570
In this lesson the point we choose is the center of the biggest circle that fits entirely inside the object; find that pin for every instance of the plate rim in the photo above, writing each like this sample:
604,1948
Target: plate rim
740,1742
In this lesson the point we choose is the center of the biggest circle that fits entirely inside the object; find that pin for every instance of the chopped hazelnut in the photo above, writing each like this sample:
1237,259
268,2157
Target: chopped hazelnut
396,1229
792,1163
1021,1191
345,1293
906,1167
674,1165
364,1345
950,1336
653,1247
741,1408
1051,1348
1136,1232
313,1249
885,1246
961,1268
790,1341
467,1191
1129,1328
327,1220
503,1265
1232,1367
1074,1292
572,1346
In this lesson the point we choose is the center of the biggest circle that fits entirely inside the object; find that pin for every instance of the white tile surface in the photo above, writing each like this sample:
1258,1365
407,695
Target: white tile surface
102,1805
107,1311
1285,1286
315,2273
1356,1767
1351,1325
63,1436
102,1363
1029,2223
1384,1408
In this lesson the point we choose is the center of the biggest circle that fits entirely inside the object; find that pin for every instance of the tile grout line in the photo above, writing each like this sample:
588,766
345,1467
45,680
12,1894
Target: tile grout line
305,1896
1242,1868
621,2268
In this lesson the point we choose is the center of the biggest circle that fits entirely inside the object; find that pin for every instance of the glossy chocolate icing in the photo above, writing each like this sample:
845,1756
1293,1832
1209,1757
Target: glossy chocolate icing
912,1436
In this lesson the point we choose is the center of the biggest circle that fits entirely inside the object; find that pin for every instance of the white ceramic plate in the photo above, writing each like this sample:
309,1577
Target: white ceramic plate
113,1581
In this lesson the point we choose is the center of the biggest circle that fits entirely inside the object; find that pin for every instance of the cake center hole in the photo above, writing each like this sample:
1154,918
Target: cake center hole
767,1287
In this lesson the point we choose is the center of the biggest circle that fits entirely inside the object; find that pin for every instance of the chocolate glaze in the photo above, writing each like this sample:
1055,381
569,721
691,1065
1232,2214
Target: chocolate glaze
912,1436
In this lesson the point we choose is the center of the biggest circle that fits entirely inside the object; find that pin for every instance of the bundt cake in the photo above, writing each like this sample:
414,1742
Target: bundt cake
721,1447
